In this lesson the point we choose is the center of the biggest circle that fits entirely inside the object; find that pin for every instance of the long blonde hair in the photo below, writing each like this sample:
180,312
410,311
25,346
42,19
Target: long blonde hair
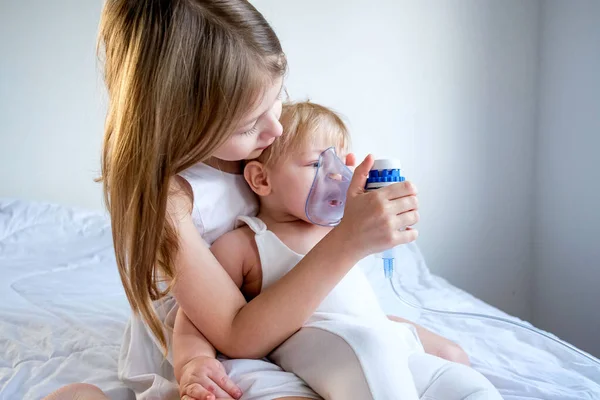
180,75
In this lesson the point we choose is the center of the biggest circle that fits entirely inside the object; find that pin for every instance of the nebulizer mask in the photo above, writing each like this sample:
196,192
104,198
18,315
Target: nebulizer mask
325,206
327,197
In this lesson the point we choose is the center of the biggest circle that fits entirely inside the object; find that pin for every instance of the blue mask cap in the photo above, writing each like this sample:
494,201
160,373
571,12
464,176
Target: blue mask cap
327,197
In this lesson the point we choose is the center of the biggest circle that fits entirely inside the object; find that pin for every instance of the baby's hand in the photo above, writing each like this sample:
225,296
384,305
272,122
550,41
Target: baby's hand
204,378
350,161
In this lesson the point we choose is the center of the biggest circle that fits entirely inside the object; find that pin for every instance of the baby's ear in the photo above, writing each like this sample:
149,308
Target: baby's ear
257,177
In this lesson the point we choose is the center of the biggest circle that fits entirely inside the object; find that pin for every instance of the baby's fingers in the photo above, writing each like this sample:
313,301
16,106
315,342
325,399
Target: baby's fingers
351,161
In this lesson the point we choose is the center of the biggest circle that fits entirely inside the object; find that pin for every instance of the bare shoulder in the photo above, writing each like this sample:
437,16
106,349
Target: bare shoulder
251,256
238,254
180,200
238,241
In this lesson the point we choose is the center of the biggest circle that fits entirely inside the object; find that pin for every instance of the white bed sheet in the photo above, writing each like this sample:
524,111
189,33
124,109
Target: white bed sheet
63,311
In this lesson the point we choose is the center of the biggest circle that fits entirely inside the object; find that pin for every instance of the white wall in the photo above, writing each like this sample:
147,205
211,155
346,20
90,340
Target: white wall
51,113
448,87
567,229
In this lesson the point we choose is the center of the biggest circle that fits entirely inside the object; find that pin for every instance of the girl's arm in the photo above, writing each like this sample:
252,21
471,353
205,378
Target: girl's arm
188,343
197,371
199,374
215,305
239,329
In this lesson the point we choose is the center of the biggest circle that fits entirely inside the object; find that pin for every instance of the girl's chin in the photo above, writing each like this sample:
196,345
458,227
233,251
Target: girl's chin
255,154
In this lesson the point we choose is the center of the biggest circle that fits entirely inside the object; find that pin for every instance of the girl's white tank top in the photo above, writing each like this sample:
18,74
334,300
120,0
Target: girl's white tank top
219,198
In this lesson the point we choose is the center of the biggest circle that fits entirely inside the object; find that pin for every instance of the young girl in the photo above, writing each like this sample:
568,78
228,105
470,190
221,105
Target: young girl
348,348
194,89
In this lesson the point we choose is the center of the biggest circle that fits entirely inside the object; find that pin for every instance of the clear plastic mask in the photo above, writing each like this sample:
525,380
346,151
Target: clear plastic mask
327,197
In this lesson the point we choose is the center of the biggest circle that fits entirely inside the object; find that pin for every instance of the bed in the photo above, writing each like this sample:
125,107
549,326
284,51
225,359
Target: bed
63,312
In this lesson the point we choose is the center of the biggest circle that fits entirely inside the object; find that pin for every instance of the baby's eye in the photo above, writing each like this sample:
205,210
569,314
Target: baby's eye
315,164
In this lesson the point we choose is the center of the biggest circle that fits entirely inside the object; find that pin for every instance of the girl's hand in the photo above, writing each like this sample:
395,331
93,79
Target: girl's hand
204,378
380,219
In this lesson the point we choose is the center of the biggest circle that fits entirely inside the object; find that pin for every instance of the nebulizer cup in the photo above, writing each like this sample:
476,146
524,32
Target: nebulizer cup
383,173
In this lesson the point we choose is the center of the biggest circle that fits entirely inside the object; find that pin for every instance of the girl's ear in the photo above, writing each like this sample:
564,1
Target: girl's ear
257,177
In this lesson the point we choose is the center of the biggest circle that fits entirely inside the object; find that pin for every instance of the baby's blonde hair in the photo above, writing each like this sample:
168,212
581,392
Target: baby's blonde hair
303,123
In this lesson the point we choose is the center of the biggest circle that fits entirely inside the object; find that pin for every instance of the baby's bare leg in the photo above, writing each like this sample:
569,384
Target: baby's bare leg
437,345
77,391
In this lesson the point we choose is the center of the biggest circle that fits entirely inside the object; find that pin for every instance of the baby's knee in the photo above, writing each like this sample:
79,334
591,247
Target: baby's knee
77,391
453,352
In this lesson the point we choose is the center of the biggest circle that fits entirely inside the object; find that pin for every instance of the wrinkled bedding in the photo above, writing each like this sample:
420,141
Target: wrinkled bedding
63,311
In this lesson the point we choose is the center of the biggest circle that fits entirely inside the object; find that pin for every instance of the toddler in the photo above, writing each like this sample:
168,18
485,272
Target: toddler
348,349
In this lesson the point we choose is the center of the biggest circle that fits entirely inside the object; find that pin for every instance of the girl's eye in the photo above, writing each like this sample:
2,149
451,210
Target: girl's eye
250,132
316,164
